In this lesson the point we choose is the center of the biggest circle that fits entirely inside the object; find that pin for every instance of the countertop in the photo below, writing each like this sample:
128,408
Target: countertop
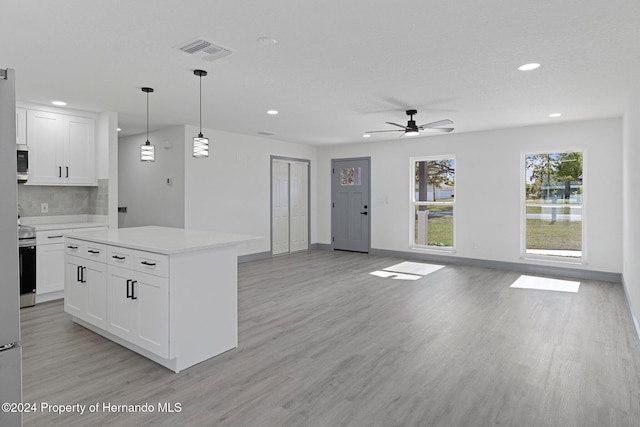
163,240
64,222
67,225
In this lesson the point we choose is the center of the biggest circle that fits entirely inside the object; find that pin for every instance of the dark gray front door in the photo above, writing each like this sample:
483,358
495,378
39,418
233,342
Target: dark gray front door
350,211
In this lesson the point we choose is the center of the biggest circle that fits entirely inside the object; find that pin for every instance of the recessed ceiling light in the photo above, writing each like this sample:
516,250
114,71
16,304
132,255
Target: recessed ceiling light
59,103
272,112
529,67
266,41
118,129
366,135
555,115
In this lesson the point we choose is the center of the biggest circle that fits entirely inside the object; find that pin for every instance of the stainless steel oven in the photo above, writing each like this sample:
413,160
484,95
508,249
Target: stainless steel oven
27,249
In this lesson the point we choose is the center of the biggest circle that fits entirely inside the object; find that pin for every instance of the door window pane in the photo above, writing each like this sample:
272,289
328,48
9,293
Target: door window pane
350,176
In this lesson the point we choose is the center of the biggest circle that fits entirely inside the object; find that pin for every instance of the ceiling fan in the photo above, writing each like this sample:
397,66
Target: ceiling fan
412,129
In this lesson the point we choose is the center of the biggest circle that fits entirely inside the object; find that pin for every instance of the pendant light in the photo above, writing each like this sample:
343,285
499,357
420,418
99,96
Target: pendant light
147,151
200,143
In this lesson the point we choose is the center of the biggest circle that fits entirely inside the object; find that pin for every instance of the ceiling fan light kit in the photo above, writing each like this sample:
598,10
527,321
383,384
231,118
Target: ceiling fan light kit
411,129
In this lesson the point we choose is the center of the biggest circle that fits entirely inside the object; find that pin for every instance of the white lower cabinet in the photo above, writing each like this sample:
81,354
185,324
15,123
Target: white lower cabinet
139,309
86,290
50,266
175,307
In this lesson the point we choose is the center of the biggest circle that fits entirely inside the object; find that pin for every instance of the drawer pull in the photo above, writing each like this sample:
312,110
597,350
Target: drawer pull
72,247
92,251
118,257
55,237
150,264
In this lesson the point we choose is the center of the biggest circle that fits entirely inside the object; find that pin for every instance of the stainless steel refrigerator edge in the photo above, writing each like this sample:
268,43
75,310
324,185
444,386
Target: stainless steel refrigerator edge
10,359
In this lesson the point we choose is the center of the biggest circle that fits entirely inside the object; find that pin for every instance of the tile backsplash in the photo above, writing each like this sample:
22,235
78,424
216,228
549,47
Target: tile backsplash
64,200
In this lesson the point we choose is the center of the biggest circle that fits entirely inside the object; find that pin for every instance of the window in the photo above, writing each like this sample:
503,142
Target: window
433,201
553,205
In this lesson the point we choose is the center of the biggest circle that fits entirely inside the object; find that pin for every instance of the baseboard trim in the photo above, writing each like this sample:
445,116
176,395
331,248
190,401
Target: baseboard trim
633,316
254,257
321,246
503,265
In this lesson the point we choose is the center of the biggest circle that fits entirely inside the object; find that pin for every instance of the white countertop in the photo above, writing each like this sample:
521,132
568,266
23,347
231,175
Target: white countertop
64,222
67,225
164,240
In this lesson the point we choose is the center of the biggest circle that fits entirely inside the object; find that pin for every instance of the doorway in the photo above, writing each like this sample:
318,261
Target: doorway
350,204
289,205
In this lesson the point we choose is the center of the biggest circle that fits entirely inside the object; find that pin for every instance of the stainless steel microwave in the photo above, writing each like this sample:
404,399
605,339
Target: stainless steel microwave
23,162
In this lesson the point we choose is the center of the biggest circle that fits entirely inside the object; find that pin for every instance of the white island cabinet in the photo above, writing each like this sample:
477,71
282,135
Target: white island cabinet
169,294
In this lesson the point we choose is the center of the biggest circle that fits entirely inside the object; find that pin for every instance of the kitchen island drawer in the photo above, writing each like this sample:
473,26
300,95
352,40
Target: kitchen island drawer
122,257
152,263
87,250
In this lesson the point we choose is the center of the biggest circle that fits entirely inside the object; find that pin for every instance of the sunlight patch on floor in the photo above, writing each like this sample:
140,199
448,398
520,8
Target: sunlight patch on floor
546,284
407,270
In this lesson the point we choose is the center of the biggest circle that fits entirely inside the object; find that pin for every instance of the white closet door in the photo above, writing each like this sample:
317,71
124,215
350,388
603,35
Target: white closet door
280,206
299,209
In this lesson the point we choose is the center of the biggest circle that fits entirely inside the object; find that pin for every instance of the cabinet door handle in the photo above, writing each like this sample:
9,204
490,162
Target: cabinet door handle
56,237
151,264
67,172
129,293
72,247
92,251
82,269
78,274
59,171
118,257
133,289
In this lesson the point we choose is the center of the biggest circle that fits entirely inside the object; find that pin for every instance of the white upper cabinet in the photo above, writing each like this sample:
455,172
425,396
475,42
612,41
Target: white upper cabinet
21,126
61,149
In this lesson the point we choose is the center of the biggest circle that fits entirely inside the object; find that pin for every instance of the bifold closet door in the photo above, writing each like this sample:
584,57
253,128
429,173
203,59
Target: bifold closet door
280,207
289,206
298,207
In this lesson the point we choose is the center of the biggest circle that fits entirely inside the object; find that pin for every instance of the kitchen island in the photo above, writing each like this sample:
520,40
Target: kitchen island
168,294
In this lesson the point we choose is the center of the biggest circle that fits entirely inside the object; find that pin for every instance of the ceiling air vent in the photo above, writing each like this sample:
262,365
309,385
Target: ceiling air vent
204,49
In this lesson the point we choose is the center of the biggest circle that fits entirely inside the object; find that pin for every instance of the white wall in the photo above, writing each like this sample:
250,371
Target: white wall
230,190
486,161
142,186
107,160
631,205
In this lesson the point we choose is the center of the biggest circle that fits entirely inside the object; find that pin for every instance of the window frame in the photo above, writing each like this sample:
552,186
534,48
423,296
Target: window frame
582,260
413,203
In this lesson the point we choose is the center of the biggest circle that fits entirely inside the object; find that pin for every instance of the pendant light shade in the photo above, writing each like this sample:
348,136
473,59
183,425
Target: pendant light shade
200,143
147,151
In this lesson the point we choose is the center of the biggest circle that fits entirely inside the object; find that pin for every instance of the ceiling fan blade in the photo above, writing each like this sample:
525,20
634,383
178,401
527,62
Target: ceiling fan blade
395,124
436,124
442,129
378,131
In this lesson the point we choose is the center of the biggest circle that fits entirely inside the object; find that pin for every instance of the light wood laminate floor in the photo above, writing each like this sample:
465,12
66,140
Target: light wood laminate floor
324,343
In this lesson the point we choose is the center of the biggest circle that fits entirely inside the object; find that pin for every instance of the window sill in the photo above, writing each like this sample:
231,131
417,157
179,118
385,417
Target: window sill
433,249
554,260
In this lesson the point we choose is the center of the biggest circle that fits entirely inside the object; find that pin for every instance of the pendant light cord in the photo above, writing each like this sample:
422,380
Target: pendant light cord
200,105
147,117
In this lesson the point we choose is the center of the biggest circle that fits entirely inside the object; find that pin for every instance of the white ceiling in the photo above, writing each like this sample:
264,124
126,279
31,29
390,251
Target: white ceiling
338,69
